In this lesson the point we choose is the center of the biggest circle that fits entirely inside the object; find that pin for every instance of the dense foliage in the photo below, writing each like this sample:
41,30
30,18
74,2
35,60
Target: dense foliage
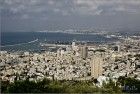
55,86
130,85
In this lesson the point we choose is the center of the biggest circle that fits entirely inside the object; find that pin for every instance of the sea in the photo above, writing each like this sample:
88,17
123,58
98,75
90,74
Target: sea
30,41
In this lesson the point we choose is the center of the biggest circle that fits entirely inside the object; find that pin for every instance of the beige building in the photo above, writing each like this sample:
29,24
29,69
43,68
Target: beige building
96,65
84,52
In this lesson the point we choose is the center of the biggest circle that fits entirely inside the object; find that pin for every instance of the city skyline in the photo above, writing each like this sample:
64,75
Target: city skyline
70,46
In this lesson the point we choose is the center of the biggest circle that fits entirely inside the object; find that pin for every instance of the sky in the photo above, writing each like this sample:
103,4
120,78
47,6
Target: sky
38,15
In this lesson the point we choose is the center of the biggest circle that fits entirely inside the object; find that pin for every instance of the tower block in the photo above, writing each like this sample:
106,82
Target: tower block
97,65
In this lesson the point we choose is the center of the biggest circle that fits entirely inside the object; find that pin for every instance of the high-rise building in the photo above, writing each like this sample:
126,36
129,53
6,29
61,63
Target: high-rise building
73,45
84,52
96,65
118,48
58,52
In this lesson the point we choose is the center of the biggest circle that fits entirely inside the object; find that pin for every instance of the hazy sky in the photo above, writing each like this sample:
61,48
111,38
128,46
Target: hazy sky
36,15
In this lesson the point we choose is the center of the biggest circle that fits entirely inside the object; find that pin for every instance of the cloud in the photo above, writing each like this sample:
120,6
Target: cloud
50,13
70,7
24,16
93,6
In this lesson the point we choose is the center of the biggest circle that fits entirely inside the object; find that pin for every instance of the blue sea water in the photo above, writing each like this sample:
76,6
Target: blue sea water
23,39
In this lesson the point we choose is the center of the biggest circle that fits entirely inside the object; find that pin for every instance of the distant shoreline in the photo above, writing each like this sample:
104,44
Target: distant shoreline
95,33
20,43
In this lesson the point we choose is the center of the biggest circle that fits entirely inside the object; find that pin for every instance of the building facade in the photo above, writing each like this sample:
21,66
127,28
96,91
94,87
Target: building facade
97,65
